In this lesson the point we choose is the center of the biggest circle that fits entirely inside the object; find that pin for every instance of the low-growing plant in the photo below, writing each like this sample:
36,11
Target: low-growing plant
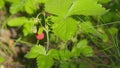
67,33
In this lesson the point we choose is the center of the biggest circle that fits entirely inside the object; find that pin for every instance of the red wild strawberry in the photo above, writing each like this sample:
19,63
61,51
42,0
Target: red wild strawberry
40,36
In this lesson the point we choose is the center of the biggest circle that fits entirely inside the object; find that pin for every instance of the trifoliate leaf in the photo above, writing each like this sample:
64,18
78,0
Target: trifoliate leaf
67,8
65,27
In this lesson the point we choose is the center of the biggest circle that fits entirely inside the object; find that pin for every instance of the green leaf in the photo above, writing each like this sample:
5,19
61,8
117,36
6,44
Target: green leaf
44,61
36,51
64,65
87,7
67,8
75,52
54,54
104,37
59,54
40,30
58,7
87,51
16,7
113,31
65,28
82,43
64,54
28,27
30,6
2,4
108,17
2,59
18,21
82,48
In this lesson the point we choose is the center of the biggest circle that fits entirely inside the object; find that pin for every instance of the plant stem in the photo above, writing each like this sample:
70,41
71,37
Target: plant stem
37,42
47,33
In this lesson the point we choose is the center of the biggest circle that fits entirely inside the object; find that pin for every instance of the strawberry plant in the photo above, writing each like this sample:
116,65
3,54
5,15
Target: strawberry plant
65,28
64,33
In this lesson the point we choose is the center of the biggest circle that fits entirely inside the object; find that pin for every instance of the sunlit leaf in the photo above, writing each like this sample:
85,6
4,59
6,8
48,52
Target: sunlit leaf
87,7
58,7
71,7
65,28
18,21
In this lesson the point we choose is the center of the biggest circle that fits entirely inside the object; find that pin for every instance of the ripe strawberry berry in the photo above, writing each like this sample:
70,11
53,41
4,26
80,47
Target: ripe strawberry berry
40,36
